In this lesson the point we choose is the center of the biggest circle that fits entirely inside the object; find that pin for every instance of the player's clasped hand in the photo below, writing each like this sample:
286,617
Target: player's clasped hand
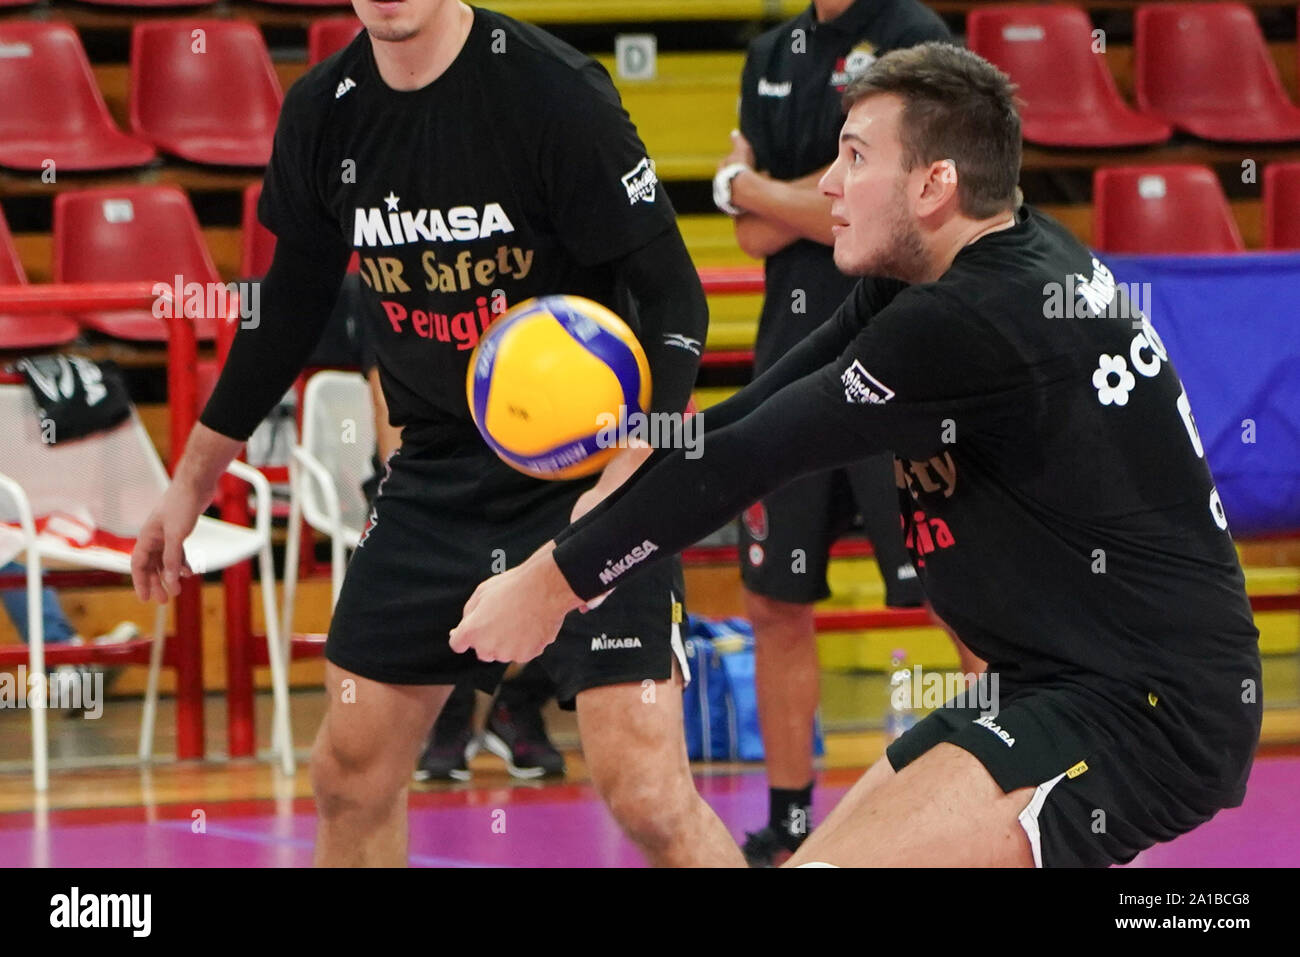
513,616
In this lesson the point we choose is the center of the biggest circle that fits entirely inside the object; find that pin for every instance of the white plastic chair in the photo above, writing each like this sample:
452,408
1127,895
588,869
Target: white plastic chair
326,473
82,503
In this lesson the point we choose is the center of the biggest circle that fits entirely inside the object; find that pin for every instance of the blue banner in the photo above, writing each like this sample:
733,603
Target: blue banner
1231,325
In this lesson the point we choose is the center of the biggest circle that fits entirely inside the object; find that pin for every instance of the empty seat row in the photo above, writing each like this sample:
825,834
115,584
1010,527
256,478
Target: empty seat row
544,11
1202,68
202,90
151,233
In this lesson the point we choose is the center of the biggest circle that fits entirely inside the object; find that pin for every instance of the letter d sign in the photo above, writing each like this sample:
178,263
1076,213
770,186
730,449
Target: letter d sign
635,55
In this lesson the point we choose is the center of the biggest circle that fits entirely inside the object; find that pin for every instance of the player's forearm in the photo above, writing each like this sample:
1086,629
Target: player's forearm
673,314
796,205
676,499
297,297
207,453
760,237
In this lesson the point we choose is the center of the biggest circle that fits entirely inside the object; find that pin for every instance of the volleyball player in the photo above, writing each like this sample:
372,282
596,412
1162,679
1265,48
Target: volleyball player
1057,502
473,162
790,118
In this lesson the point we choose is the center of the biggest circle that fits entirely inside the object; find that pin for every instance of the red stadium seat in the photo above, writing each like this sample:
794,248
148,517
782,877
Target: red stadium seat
1205,68
306,3
217,106
146,4
1162,209
328,35
17,3
53,109
257,243
24,332
1282,206
1070,97
131,232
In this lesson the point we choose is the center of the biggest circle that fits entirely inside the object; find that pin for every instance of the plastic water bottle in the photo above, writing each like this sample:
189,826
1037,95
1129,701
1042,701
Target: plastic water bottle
900,710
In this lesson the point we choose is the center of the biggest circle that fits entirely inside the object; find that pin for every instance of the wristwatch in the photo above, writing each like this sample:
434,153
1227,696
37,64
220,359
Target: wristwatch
722,188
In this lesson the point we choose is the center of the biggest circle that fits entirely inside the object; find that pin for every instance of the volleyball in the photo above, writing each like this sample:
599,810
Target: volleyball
552,380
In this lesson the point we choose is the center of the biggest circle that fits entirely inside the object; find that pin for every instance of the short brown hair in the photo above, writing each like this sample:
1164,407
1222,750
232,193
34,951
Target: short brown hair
957,106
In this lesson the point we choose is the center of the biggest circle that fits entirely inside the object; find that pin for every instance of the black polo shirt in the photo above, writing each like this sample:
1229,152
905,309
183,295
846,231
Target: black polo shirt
790,111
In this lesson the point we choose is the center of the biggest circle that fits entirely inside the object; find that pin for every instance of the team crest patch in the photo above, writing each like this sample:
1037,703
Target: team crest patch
756,555
862,388
850,67
755,519
641,182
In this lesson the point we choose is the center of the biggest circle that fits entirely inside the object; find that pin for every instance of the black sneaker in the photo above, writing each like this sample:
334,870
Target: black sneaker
519,738
452,743
765,848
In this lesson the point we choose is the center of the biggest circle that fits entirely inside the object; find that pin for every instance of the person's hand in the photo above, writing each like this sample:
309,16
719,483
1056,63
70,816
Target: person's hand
619,469
741,151
515,615
158,559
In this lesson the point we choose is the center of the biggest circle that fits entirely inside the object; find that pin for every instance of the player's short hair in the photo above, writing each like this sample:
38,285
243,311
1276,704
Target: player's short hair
957,106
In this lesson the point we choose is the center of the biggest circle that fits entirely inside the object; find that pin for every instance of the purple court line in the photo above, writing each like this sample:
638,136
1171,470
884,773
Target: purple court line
300,843
568,826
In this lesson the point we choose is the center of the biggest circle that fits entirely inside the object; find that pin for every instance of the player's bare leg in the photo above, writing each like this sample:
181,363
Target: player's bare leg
635,746
787,681
361,764
942,810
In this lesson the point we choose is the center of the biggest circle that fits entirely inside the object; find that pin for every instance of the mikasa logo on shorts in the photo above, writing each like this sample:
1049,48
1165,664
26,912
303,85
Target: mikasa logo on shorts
640,182
605,643
986,721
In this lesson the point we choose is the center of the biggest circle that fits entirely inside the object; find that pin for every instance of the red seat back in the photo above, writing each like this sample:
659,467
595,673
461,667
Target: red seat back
327,35
202,77
46,84
11,267
1162,209
257,243
1195,57
129,232
1282,206
1047,51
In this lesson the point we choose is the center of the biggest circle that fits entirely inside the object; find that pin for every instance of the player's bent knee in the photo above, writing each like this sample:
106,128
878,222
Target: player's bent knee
767,612
344,780
650,809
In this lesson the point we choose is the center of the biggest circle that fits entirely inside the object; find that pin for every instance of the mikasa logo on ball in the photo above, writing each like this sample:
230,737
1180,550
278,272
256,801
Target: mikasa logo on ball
640,182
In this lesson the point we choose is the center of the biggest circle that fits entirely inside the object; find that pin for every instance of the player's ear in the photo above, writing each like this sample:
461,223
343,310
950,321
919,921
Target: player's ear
939,187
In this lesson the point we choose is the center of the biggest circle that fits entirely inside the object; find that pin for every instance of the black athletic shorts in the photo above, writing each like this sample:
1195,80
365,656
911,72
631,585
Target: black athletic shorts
1100,797
444,520
785,540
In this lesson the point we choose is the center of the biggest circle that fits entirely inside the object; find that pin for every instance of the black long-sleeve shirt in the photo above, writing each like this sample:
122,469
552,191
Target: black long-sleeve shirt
1053,488
515,174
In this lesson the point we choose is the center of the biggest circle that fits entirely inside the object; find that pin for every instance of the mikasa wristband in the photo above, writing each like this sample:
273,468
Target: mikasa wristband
722,188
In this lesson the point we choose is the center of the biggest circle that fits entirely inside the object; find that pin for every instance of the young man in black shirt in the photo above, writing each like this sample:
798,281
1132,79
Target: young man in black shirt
1054,492
473,162
790,118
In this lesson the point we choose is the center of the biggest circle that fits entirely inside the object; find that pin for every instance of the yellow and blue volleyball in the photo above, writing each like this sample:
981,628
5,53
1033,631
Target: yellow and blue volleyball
552,380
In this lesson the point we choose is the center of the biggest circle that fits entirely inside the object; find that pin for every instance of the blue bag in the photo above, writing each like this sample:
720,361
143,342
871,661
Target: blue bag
722,713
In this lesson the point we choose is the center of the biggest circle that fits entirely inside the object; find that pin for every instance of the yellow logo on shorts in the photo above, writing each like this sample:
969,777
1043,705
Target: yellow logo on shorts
1078,769
1151,698
678,617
